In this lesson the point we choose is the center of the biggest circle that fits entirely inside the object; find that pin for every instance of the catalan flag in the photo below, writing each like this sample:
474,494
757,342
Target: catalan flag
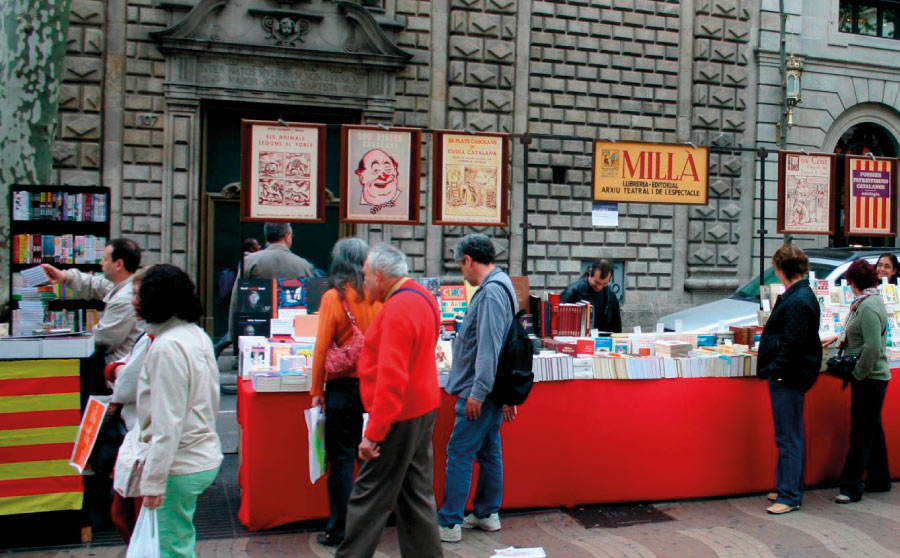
39,418
871,191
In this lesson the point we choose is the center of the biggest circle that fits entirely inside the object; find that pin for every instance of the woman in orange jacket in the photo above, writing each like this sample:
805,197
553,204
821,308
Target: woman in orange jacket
345,313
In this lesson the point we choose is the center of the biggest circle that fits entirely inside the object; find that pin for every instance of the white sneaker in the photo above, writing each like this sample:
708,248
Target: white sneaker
489,523
451,534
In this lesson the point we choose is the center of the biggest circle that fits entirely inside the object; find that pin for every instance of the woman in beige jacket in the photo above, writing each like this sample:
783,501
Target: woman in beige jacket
177,403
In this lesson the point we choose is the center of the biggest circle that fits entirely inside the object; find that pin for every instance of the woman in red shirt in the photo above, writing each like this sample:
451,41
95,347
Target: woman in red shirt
339,392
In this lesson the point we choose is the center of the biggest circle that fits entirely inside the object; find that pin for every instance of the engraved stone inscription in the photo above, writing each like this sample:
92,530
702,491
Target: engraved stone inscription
280,77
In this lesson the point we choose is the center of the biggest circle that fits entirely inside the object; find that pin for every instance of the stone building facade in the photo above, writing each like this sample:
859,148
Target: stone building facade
140,74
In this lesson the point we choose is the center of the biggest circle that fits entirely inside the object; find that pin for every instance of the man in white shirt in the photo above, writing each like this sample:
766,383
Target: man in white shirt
117,329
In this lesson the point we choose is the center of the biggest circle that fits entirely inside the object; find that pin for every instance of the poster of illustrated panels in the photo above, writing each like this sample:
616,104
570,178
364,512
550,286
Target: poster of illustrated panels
380,171
805,193
282,171
471,179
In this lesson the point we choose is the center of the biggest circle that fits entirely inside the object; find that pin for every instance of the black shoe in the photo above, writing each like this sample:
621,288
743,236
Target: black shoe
878,488
327,539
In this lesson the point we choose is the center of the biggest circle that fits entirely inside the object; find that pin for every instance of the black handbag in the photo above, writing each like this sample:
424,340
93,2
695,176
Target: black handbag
842,366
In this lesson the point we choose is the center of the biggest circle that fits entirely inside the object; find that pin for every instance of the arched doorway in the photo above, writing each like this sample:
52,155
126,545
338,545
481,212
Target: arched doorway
860,139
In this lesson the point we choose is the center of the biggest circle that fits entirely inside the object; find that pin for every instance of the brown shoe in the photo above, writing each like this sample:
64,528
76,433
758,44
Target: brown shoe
772,496
778,509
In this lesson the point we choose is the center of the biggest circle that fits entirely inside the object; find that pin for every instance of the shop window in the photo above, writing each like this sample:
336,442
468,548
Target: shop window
870,17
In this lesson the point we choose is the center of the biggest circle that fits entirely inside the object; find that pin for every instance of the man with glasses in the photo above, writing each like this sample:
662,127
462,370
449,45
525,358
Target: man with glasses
592,287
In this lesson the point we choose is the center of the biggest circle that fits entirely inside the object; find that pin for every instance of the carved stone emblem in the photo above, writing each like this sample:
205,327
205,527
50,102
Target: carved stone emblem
286,30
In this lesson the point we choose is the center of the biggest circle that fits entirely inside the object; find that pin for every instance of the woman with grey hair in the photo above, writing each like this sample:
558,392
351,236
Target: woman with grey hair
345,313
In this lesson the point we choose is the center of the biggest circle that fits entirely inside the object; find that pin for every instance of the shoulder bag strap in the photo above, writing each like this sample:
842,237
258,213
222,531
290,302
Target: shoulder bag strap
420,293
347,310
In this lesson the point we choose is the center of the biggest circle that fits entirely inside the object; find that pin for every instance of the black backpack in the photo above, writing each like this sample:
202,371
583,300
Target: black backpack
514,376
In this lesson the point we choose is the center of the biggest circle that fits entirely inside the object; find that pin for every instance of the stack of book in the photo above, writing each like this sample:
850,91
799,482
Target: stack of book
57,249
58,206
672,348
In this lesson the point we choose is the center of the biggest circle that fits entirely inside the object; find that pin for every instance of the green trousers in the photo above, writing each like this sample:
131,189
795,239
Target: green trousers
176,515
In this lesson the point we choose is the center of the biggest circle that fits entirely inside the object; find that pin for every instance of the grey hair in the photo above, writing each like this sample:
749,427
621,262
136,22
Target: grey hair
276,231
478,247
388,260
347,259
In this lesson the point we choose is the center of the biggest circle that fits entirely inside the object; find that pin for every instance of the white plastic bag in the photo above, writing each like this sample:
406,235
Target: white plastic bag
130,465
315,425
145,540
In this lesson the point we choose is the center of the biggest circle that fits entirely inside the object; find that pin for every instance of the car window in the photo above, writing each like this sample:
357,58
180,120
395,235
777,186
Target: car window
750,291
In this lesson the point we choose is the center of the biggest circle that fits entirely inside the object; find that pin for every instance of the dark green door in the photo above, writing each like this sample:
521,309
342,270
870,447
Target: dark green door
223,228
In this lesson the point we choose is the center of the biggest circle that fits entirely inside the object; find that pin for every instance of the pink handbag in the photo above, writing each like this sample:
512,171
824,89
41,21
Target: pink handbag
341,361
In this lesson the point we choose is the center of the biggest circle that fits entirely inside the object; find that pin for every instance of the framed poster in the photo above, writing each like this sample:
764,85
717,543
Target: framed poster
380,171
870,196
806,193
650,173
471,179
282,171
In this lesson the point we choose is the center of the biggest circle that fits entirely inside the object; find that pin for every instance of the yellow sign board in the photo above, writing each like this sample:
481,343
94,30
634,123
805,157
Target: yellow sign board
650,173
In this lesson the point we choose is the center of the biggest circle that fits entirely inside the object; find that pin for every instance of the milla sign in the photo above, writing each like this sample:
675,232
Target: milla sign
650,173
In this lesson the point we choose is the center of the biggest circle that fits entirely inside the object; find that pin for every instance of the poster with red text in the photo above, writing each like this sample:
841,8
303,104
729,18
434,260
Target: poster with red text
282,171
870,196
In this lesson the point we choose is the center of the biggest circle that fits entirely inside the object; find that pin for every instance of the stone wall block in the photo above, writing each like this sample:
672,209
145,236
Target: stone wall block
93,41
80,126
456,72
709,27
499,51
724,52
481,75
90,155
497,100
464,97
69,96
459,21
467,48
64,153
502,6
91,98
487,25
87,11
81,68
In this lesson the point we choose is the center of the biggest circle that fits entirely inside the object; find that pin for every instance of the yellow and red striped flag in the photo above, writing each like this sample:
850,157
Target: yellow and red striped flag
870,210
39,418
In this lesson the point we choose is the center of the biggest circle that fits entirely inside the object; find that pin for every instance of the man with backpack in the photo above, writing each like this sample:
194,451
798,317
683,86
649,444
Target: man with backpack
476,356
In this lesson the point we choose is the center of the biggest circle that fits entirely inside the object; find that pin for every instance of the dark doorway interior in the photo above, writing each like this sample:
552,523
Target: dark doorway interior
859,140
223,231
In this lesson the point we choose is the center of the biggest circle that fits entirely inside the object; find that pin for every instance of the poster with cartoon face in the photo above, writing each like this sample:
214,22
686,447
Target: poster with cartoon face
281,176
380,175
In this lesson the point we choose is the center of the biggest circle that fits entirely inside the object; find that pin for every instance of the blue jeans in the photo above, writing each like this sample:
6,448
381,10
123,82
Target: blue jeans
471,439
787,411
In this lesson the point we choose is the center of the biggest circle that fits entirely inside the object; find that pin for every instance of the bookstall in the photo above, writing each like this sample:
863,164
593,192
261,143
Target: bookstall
43,362
627,417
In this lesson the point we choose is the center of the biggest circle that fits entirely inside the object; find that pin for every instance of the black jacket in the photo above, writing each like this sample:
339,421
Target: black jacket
610,318
790,350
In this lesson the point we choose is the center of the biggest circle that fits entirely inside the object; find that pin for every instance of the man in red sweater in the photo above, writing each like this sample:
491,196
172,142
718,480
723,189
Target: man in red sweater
399,389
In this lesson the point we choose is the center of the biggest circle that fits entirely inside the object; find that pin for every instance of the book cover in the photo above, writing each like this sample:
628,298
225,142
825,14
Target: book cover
443,356
291,293
890,294
522,290
847,296
252,325
315,288
432,285
453,302
256,296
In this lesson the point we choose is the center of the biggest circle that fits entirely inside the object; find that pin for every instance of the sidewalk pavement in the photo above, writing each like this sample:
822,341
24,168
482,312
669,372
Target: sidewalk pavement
732,527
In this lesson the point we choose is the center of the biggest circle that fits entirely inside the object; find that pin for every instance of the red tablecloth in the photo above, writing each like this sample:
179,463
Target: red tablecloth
581,442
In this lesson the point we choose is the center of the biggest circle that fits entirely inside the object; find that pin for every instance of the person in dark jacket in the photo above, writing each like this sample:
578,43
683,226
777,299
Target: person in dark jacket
594,288
790,356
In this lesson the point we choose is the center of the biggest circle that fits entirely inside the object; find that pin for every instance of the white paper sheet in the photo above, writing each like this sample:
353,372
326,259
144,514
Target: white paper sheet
605,214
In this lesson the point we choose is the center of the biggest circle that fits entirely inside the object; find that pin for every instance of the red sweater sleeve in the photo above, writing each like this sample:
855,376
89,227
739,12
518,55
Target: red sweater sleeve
392,378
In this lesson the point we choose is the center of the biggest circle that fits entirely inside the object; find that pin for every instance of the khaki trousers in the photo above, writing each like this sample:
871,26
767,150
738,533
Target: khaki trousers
400,480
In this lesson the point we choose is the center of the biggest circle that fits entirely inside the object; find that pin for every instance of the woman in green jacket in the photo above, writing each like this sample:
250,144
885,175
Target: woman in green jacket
865,335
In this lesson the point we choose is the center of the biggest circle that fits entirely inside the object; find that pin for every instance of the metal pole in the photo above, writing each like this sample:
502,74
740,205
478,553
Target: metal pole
526,142
763,153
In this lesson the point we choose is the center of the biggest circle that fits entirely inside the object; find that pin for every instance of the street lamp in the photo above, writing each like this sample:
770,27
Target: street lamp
792,98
